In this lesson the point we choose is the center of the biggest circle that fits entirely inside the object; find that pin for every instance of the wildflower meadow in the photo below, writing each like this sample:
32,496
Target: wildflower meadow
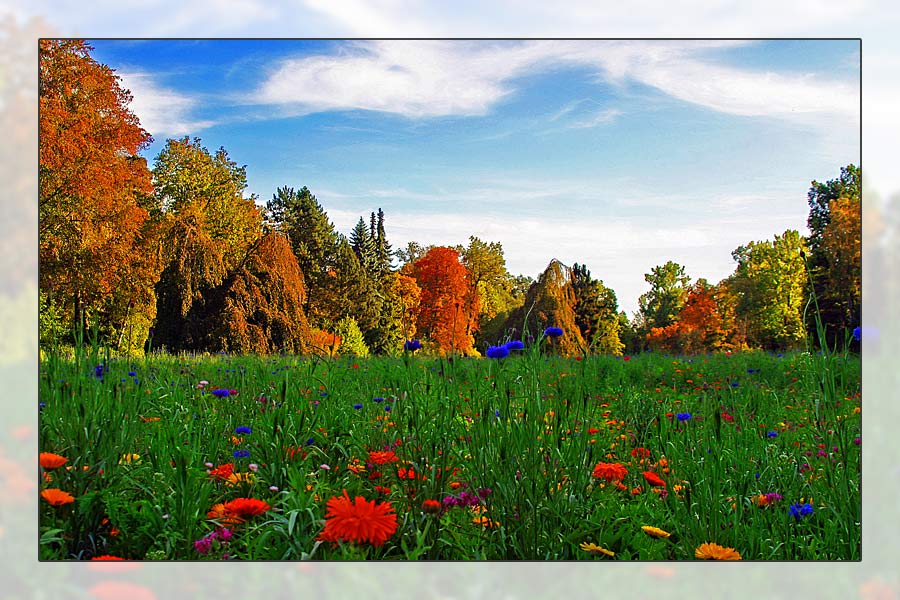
522,456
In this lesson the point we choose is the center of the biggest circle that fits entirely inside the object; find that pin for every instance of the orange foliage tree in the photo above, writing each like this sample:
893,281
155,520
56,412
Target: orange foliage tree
448,305
94,191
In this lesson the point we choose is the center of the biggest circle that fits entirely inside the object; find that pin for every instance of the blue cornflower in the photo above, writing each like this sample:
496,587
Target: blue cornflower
132,374
412,345
801,510
497,352
243,429
310,442
242,454
387,407
357,406
734,384
772,434
514,345
98,371
220,393
497,413
42,404
379,399
553,332
323,394
683,416
857,333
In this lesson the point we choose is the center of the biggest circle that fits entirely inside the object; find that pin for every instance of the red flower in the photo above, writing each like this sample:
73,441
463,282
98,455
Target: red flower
431,506
57,497
50,461
359,520
382,458
653,479
640,453
246,507
222,471
610,471
593,430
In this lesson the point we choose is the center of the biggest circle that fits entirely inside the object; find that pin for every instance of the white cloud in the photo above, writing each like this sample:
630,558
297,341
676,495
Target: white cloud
163,112
456,78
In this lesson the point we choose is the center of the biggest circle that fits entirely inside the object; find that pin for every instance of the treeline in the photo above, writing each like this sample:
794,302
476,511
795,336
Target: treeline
180,257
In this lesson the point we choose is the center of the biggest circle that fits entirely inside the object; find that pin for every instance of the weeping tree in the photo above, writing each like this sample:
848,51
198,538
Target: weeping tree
258,308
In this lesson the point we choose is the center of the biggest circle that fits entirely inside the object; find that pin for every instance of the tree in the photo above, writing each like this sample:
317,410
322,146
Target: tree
94,190
409,255
550,302
770,284
595,312
352,342
314,241
447,314
834,272
659,307
364,247
258,307
493,285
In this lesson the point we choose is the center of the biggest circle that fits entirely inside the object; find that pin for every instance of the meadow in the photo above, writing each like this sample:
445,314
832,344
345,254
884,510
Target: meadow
746,455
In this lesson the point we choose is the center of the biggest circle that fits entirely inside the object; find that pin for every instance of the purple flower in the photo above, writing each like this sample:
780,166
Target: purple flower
203,545
220,393
243,429
412,345
772,434
553,332
857,333
514,345
242,454
379,399
683,416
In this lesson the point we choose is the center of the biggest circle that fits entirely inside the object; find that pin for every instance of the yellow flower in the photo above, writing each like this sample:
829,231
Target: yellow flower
237,478
485,522
655,532
128,459
711,551
594,548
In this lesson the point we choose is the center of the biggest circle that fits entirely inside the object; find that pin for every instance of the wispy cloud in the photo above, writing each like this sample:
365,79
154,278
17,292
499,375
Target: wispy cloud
162,111
451,78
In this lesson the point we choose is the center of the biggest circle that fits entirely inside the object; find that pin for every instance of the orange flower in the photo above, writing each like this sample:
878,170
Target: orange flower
222,471
358,520
653,479
382,458
711,551
50,461
640,453
655,531
610,471
219,512
246,507
57,497
431,506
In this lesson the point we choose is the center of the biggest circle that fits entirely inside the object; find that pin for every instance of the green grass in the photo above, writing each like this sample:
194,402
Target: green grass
557,419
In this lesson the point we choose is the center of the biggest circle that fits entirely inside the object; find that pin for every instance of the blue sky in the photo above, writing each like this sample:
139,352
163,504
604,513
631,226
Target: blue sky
618,155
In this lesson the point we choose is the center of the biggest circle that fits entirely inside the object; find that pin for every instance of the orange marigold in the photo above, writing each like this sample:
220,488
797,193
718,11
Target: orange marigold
219,512
711,551
382,458
246,507
50,461
358,520
610,471
57,497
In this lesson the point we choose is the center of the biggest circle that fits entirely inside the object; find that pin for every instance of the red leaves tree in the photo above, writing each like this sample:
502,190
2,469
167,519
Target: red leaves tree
448,305
94,191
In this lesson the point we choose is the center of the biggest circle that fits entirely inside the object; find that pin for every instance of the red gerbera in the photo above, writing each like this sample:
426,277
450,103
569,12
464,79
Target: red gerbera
382,458
246,507
653,479
610,471
358,520
50,461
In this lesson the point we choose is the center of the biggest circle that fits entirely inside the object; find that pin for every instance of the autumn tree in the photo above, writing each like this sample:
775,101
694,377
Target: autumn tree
94,192
447,314
834,253
211,227
550,302
770,285
258,306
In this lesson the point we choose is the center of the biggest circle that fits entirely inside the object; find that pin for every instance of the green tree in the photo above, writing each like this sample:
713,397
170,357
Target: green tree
352,342
595,312
770,285
493,285
660,306
363,246
315,243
